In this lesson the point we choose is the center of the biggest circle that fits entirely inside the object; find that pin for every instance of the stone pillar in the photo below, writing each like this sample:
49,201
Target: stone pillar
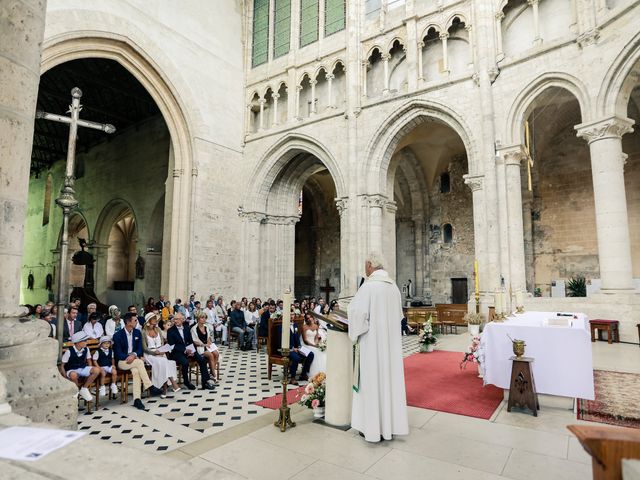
513,158
342,204
29,380
389,237
471,49
445,54
527,223
313,97
612,223
298,89
330,77
275,97
476,184
503,216
253,221
411,53
261,119
385,63
536,22
376,203
419,241
420,67
499,47
365,67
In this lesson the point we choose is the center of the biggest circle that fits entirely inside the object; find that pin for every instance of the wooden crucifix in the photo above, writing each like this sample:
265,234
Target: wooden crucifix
327,289
67,199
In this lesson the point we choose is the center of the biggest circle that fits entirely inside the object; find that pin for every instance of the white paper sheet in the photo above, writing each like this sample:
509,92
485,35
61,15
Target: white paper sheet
304,350
190,349
30,443
212,348
166,348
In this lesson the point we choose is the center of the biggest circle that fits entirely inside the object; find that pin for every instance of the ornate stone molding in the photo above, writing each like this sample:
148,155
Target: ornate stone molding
590,37
513,155
376,200
391,207
474,182
281,219
178,172
611,127
342,204
258,217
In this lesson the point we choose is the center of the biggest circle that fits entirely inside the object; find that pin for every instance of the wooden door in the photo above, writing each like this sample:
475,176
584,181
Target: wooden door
459,290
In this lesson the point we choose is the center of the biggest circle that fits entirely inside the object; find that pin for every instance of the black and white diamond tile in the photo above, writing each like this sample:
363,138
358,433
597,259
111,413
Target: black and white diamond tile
191,414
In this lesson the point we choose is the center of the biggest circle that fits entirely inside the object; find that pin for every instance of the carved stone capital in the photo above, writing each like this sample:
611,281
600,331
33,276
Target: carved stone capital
281,219
258,217
513,155
342,204
444,35
178,172
313,82
386,56
392,207
474,182
420,45
611,127
533,2
376,200
276,96
500,16
329,76
590,37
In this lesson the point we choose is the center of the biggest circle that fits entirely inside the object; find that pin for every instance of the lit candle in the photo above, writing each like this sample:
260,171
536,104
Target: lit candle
475,274
498,302
286,318
505,304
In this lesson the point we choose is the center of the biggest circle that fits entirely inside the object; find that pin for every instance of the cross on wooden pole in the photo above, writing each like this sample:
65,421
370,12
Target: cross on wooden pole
327,289
67,199
527,150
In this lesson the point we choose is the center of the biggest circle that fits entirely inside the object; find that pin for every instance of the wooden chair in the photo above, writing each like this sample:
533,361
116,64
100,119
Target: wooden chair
451,315
611,326
273,342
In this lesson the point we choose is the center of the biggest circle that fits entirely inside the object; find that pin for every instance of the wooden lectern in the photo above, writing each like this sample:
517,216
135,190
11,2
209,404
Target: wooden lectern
607,447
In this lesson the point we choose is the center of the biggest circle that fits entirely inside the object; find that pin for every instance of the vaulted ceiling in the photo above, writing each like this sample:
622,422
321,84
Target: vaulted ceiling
110,95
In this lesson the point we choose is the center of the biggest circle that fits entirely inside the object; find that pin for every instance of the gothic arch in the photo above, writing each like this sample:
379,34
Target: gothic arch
395,39
514,131
426,29
76,218
275,165
621,77
402,121
110,214
98,44
461,16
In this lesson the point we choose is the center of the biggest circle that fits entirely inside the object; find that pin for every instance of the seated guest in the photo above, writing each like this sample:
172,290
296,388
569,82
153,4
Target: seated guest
133,309
163,370
103,358
71,323
310,331
127,348
263,328
215,321
93,328
164,326
404,324
239,326
150,306
183,348
202,334
47,317
76,365
92,308
252,317
295,355
114,323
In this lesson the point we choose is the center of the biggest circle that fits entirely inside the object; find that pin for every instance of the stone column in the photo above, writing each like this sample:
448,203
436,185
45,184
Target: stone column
376,203
513,158
536,22
385,63
420,67
389,237
612,223
471,49
253,268
342,205
298,89
499,47
419,240
365,67
411,53
476,184
261,119
313,97
330,77
503,216
275,97
29,380
445,54
527,223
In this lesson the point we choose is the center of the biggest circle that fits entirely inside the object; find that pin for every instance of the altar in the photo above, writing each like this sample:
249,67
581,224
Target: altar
559,342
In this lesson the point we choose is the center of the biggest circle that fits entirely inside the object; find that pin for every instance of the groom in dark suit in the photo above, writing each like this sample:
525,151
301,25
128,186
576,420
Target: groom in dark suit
295,355
180,337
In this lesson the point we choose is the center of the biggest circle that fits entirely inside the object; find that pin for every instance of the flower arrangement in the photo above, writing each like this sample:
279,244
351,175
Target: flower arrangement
314,392
473,318
426,337
473,353
322,346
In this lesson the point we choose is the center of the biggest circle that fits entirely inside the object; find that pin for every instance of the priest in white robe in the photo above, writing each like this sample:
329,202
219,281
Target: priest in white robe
379,408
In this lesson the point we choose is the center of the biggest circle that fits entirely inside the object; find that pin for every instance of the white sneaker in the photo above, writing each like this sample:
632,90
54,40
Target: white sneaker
114,388
103,391
86,394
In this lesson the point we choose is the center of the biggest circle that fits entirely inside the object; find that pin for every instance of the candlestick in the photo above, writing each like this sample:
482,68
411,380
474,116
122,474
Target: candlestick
476,278
498,302
286,319
519,301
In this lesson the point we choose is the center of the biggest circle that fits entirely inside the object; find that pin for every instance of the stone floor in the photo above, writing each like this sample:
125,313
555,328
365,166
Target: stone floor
225,431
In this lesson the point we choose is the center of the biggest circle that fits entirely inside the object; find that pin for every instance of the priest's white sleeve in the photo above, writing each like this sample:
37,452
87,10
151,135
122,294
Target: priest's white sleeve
359,314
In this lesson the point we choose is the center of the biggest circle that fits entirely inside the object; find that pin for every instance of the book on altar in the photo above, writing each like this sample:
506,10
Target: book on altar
190,349
212,348
336,318
304,350
166,348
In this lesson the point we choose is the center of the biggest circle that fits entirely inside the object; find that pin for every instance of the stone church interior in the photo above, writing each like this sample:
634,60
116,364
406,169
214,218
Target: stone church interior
333,238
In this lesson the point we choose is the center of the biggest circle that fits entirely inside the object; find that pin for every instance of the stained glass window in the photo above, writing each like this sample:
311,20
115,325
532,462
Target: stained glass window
334,16
281,28
309,17
260,45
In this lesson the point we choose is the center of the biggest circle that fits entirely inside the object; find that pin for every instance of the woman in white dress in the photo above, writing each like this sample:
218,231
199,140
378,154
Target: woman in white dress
202,335
163,370
115,322
311,338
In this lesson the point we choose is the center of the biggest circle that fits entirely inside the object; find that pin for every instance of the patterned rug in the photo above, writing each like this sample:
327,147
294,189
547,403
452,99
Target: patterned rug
274,402
616,400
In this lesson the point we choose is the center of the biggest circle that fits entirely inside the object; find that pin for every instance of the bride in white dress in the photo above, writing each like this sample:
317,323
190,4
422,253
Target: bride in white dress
312,335
163,370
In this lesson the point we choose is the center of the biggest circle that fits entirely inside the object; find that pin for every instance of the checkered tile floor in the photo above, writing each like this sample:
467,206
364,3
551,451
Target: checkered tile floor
187,416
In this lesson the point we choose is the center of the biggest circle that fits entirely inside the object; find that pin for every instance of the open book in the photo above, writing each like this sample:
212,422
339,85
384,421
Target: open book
337,319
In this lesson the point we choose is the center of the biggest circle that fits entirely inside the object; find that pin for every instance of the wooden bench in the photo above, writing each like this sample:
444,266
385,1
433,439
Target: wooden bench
451,315
418,316
611,326
273,341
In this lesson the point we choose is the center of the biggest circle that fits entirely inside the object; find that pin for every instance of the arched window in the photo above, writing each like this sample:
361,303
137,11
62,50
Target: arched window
281,27
334,16
445,183
260,44
46,208
309,18
447,233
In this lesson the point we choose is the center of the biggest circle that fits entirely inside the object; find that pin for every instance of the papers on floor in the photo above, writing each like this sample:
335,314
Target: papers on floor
190,349
166,348
30,443
212,348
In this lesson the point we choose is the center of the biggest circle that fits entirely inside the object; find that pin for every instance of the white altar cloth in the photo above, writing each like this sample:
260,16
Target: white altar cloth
562,364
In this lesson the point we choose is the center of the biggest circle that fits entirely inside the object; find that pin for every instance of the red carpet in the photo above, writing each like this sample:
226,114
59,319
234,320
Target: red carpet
274,402
435,381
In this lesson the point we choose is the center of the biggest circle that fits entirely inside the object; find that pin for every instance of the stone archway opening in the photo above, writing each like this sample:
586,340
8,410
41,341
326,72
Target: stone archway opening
558,213
631,147
431,214
129,168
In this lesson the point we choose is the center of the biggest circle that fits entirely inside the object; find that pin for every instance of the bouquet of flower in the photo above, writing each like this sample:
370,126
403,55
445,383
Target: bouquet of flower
472,354
426,336
322,346
314,392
